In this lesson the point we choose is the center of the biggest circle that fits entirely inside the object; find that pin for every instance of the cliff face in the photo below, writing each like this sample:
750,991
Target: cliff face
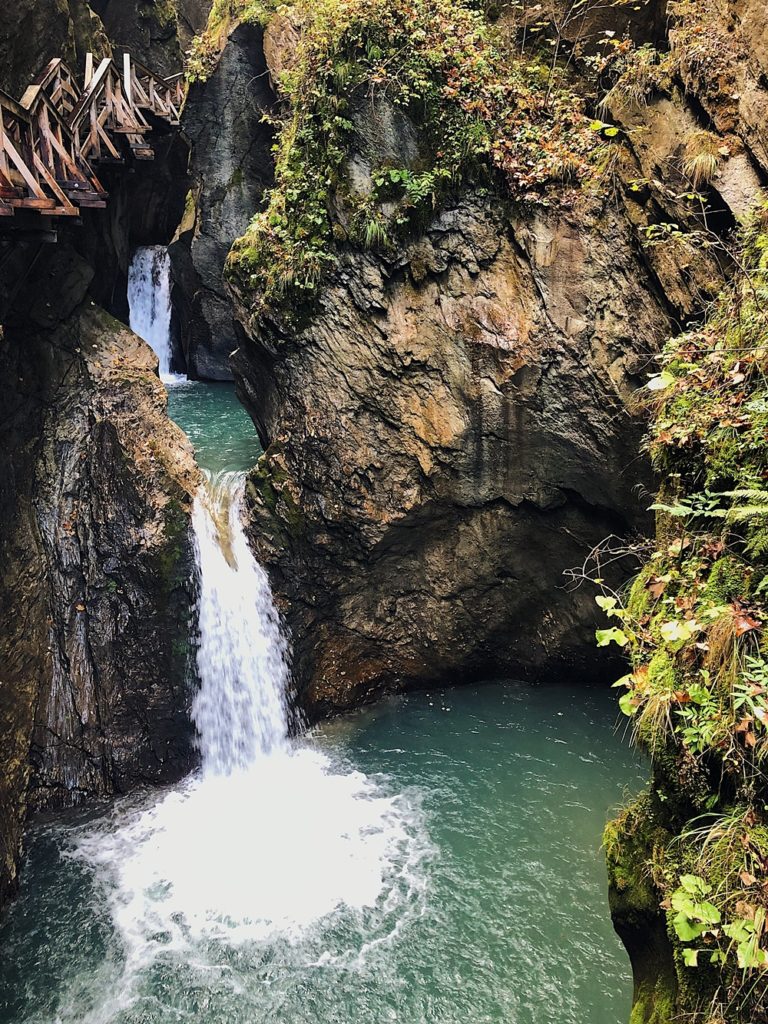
449,434
230,166
34,33
445,391
450,426
158,32
96,571
96,558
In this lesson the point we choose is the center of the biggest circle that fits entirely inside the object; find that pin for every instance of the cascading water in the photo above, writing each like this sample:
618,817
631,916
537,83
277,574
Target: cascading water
149,304
240,710
225,857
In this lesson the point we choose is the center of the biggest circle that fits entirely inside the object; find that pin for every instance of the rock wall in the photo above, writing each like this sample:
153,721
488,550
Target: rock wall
96,556
230,167
452,427
34,33
95,571
446,437
157,31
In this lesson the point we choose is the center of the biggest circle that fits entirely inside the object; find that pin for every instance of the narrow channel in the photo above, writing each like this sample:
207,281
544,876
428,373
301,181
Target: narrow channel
435,858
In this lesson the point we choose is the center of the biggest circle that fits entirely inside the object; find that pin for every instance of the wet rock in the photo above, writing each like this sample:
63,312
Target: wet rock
157,32
34,33
96,568
448,435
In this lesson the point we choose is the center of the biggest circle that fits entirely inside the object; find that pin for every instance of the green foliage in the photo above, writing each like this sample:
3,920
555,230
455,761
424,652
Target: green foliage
693,626
482,113
203,55
694,914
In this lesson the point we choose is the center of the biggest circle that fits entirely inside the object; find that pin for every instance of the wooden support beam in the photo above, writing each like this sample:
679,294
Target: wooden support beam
29,179
127,78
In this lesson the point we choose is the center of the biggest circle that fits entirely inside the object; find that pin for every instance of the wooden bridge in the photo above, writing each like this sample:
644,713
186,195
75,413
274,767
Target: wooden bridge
55,137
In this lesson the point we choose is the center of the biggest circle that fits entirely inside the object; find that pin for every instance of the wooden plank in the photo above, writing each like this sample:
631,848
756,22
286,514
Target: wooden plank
33,204
3,154
22,168
95,86
127,78
107,141
51,183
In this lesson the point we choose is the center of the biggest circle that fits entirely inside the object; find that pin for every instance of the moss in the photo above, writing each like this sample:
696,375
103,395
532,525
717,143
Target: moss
654,1001
270,485
484,113
171,560
728,579
639,600
662,671
631,842
206,48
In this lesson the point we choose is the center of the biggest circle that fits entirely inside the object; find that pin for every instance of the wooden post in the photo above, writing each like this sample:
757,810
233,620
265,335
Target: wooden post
3,154
88,69
127,79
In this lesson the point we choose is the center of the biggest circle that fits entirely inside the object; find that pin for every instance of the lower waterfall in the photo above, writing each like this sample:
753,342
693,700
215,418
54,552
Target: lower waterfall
240,710
432,859
270,836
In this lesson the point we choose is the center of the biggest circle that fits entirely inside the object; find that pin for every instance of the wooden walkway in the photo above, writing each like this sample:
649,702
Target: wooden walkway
54,138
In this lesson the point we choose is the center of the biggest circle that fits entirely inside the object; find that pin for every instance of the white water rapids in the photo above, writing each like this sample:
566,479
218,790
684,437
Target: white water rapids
271,839
149,303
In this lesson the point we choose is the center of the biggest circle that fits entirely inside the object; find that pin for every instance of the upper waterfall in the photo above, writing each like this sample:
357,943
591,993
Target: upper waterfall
149,303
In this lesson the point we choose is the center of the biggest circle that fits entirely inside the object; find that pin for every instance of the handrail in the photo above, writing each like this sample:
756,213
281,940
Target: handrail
96,86
49,139
13,106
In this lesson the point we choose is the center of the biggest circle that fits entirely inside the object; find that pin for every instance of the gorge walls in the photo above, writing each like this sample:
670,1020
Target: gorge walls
231,164
449,416
96,486
448,435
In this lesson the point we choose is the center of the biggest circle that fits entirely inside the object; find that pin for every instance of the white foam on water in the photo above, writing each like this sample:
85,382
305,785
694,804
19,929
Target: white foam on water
149,305
271,838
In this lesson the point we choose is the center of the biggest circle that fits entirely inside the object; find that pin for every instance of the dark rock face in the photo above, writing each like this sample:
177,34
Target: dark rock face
156,31
33,33
230,168
96,557
95,570
447,436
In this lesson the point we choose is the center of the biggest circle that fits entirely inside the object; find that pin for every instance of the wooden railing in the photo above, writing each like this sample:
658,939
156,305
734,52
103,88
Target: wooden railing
52,139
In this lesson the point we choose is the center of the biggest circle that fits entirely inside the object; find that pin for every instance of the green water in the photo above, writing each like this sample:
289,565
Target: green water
434,859
218,426
504,917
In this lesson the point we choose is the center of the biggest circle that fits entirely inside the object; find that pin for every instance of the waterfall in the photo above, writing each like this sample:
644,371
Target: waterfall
240,710
274,838
149,303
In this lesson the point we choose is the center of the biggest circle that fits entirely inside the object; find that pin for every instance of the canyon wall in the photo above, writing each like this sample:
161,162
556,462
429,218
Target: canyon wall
230,166
96,554
450,413
451,426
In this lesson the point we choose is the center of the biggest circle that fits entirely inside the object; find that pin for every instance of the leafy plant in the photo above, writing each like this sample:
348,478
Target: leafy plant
694,914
